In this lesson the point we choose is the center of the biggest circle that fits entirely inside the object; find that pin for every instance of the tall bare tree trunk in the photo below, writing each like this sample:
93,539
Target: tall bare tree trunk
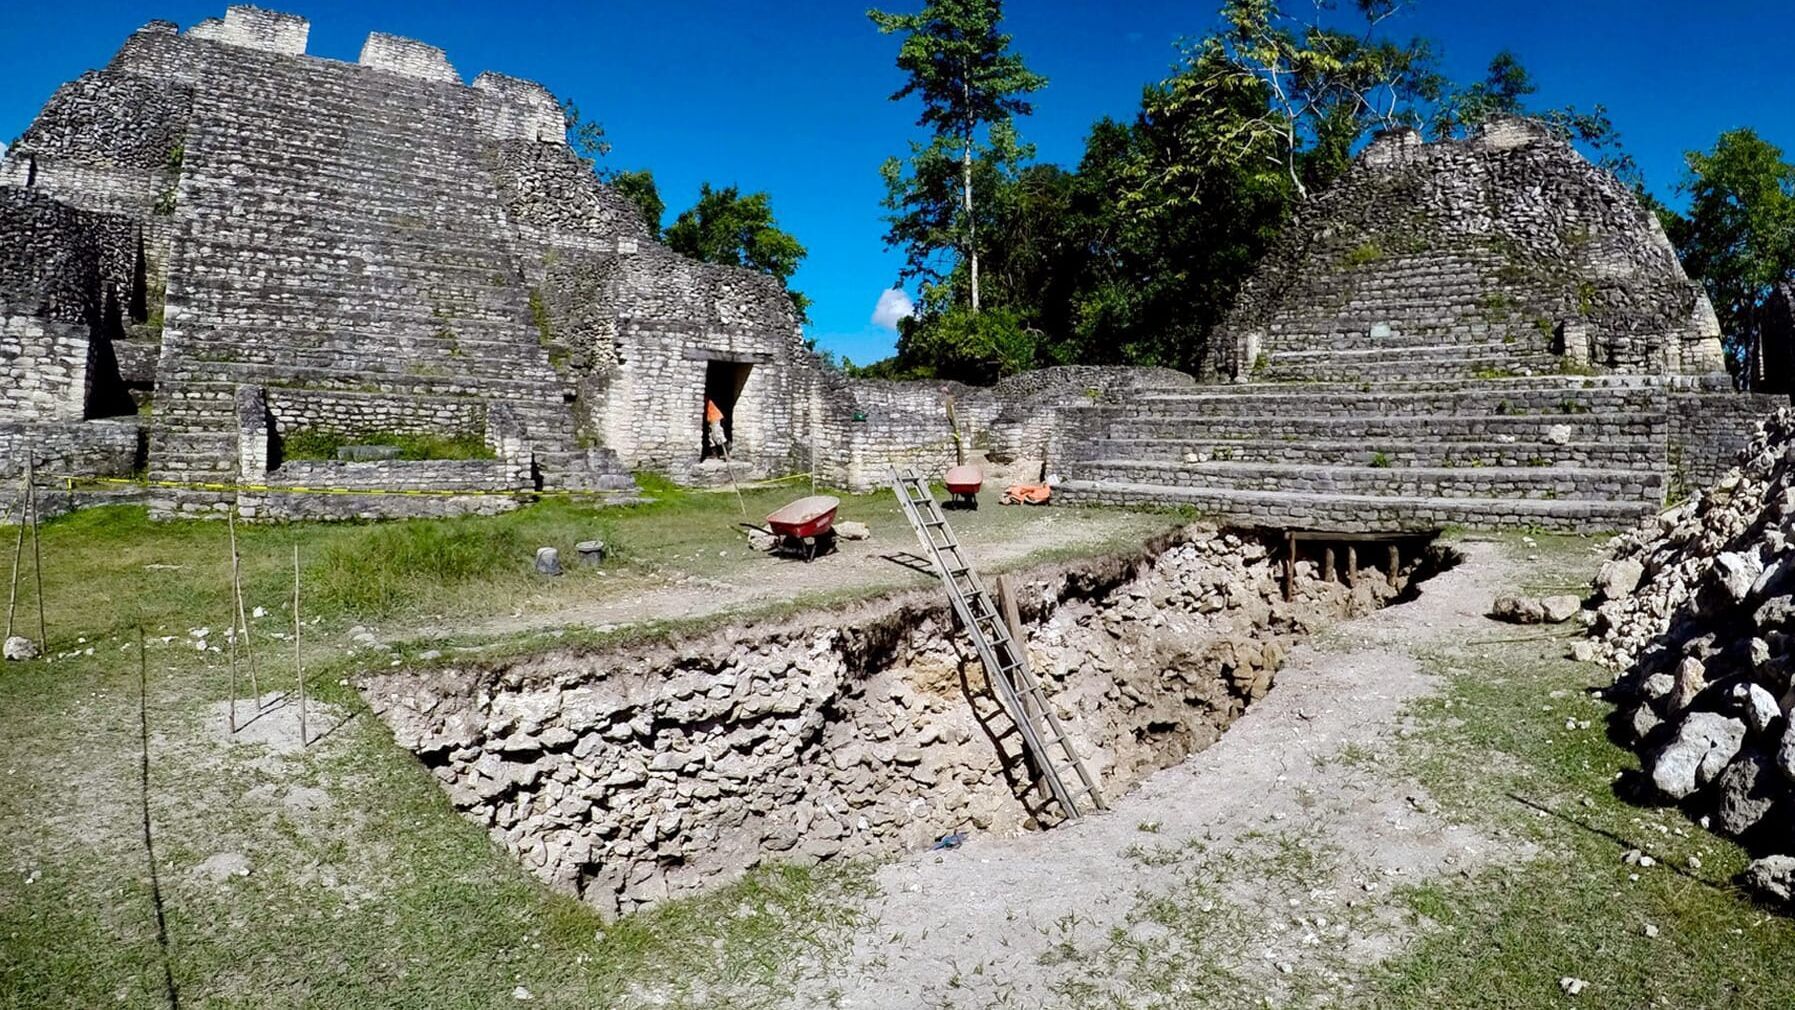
972,228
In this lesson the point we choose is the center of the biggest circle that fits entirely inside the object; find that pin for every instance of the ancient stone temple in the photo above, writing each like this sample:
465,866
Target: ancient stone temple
227,262
1490,332
307,287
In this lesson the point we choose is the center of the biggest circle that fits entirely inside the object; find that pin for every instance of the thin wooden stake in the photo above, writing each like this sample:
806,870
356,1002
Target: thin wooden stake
729,467
298,660
37,556
18,557
242,618
231,640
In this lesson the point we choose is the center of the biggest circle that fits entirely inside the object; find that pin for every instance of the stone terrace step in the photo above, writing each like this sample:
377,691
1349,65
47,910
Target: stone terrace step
1544,482
1363,513
1607,455
1393,400
1468,361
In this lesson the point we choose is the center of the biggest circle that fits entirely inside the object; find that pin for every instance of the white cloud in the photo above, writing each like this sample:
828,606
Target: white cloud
894,306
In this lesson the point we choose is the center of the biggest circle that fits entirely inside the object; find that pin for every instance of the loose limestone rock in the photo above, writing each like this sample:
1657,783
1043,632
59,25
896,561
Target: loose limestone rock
20,649
1518,610
1619,578
1559,609
548,561
1704,744
1748,791
1772,878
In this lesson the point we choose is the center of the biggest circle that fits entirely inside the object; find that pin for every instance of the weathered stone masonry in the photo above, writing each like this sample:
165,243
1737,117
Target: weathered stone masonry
631,774
1489,332
378,235
374,249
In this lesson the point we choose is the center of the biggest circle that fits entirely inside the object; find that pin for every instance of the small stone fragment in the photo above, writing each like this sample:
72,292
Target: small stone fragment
1772,879
1759,706
548,561
1518,610
1619,578
1559,609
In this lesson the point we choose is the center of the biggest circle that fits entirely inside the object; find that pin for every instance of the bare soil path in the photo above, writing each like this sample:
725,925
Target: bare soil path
715,580
1253,871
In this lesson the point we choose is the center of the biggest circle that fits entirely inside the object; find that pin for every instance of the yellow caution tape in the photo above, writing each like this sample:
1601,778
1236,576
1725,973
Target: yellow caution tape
71,482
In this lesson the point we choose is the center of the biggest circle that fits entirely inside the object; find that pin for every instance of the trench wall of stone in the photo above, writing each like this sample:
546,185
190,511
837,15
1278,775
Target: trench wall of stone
631,774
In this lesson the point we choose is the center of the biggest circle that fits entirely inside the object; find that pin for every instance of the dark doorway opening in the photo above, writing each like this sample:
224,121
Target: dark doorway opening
723,382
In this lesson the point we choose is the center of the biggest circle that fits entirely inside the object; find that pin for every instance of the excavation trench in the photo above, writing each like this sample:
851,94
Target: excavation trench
631,773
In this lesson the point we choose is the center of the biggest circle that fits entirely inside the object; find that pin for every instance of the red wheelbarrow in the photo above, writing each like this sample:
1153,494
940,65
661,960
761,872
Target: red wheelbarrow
806,527
963,482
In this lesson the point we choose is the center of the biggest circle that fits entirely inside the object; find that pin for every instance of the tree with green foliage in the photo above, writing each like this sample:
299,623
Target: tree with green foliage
1738,236
966,346
726,227
639,188
1315,88
1504,91
960,65
586,138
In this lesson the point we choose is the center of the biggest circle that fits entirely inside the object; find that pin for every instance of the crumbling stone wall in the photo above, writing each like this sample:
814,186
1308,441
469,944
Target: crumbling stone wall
63,274
379,247
1508,247
631,774
1711,422
1770,363
407,56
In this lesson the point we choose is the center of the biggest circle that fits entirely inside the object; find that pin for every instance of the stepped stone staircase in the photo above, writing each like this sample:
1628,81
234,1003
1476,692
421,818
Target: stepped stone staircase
1417,316
1559,453
337,231
1411,354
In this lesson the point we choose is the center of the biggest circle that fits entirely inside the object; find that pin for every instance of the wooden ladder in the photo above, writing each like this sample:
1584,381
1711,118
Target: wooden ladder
1017,688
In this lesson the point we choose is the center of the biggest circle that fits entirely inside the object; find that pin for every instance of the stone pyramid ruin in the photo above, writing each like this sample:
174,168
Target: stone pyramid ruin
253,276
1488,332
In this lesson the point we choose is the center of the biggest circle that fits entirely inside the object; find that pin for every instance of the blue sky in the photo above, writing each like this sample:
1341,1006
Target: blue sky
789,96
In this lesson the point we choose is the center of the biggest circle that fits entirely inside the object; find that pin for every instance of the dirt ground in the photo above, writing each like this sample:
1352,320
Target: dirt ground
1256,867
736,579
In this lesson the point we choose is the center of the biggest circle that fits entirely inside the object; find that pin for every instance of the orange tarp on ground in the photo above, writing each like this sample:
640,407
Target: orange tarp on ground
1028,494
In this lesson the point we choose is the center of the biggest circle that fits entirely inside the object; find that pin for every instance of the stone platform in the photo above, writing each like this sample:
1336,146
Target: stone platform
1552,453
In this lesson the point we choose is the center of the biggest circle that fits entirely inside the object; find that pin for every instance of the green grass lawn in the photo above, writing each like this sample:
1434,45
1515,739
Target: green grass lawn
364,888
1515,742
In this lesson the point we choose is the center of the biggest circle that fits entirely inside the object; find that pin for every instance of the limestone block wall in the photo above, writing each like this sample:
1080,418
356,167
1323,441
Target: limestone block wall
399,55
355,414
515,109
556,203
43,369
1710,424
255,28
106,448
63,263
628,775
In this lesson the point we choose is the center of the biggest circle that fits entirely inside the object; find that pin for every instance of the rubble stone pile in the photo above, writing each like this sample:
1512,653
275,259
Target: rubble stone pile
1698,617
